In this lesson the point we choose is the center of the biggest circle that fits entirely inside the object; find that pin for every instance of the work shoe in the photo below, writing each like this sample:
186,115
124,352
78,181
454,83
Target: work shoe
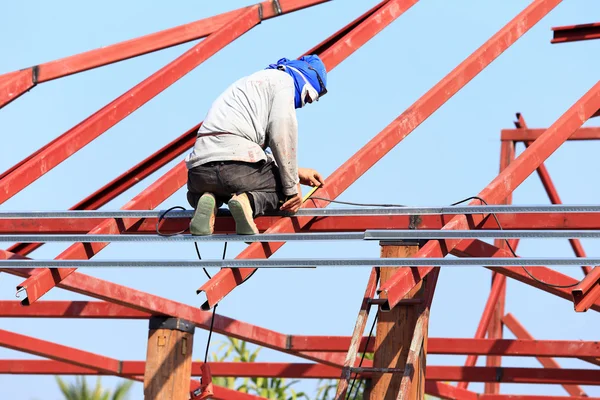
241,210
203,221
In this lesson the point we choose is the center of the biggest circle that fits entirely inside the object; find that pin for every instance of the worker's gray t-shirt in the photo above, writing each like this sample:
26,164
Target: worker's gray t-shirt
257,112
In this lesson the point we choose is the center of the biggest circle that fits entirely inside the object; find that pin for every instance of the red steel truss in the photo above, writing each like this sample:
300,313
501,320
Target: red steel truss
328,354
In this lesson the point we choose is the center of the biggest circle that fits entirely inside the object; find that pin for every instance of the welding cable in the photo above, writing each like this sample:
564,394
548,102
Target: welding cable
162,216
362,358
454,204
513,251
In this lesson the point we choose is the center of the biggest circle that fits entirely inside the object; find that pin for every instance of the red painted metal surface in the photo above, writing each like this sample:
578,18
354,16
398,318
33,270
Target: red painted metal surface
478,248
446,391
530,397
83,133
529,135
505,183
519,331
226,280
533,221
506,347
316,371
69,309
14,84
58,352
588,291
575,33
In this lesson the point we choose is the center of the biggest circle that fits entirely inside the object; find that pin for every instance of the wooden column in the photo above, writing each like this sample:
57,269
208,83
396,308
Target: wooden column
395,330
168,359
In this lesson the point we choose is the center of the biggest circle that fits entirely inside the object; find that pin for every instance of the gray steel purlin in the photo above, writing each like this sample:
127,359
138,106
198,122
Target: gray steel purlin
368,235
313,212
299,263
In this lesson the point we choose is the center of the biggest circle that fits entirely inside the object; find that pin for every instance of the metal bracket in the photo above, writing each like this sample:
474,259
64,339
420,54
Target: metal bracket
260,12
277,7
173,324
499,374
34,74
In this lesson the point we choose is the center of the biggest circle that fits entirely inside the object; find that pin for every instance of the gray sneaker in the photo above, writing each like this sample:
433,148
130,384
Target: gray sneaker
241,210
203,221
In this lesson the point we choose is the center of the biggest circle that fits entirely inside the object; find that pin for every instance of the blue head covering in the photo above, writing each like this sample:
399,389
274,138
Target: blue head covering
299,69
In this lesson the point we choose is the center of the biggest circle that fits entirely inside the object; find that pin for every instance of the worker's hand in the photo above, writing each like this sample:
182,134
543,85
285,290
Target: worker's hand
293,203
310,177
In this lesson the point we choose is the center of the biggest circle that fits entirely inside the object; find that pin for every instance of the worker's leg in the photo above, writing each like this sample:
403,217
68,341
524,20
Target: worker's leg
260,181
205,194
257,190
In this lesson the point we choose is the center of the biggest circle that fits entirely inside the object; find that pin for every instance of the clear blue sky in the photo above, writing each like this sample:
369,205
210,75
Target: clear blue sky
453,155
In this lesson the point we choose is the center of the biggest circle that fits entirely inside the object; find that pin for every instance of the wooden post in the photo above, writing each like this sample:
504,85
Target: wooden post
168,359
395,330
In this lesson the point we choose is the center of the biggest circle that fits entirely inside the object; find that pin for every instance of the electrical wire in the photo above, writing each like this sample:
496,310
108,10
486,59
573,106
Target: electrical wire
454,204
362,358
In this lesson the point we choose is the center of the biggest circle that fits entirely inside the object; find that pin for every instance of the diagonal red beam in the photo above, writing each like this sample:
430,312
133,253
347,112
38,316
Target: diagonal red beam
588,291
59,352
500,187
69,309
529,135
498,285
135,47
519,331
575,33
227,279
449,392
14,84
176,177
83,133
552,193
225,224
543,275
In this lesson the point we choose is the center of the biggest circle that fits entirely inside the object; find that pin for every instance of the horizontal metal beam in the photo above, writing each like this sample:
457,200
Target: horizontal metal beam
388,234
314,212
317,371
575,33
529,135
223,225
298,263
459,346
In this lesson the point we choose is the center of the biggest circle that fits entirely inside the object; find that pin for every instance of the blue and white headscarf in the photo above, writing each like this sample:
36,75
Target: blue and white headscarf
305,79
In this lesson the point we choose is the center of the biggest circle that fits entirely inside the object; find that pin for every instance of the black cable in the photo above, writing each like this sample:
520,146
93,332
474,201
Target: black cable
454,204
362,359
513,251
160,218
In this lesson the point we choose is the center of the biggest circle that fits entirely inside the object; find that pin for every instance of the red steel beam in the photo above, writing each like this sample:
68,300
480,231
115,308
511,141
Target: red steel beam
14,84
59,352
552,193
513,221
520,332
227,279
494,329
575,33
317,371
133,48
177,176
83,133
543,275
449,392
588,291
498,285
505,183
69,309
529,135
530,397
459,346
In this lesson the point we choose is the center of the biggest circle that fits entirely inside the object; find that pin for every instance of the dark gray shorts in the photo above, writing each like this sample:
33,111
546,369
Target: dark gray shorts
223,179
